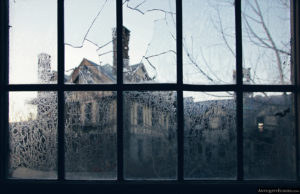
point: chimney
(44, 68)
(125, 44)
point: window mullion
(295, 23)
(61, 70)
(4, 93)
(239, 92)
(180, 116)
(120, 158)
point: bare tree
(266, 39)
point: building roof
(106, 73)
(93, 71)
(105, 69)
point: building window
(88, 113)
(215, 85)
(154, 117)
(140, 115)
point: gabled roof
(100, 74)
(105, 69)
(133, 73)
(106, 74)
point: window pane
(32, 41)
(32, 135)
(269, 136)
(267, 42)
(91, 135)
(209, 135)
(150, 142)
(208, 42)
(149, 41)
(90, 55)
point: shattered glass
(150, 135)
(208, 42)
(269, 136)
(209, 135)
(91, 135)
(89, 41)
(32, 135)
(149, 54)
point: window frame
(168, 185)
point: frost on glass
(91, 135)
(32, 135)
(90, 55)
(267, 42)
(33, 30)
(209, 135)
(150, 140)
(269, 136)
(208, 41)
(149, 41)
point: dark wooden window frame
(120, 185)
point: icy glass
(90, 42)
(32, 135)
(267, 42)
(209, 135)
(32, 41)
(269, 136)
(91, 135)
(150, 140)
(208, 41)
(149, 41)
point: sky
(88, 26)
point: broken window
(90, 55)
(149, 41)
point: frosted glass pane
(91, 135)
(32, 135)
(150, 140)
(209, 135)
(269, 136)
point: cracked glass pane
(149, 41)
(89, 41)
(208, 41)
(269, 136)
(32, 135)
(150, 135)
(32, 42)
(209, 135)
(267, 42)
(91, 135)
